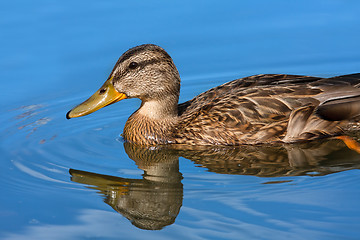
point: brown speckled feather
(260, 109)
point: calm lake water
(77, 179)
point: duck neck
(152, 122)
(160, 109)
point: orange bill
(105, 96)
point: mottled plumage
(258, 109)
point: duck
(259, 109)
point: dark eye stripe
(145, 63)
(140, 65)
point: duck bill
(105, 96)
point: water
(76, 179)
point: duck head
(146, 72)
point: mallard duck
(266, 108)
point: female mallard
(258, 109)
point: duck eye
(133, 65)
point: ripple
(41, 144)
(37, 174)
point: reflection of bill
(154, 201)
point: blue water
(54, 54)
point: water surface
(77, 179)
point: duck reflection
(154, 201)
